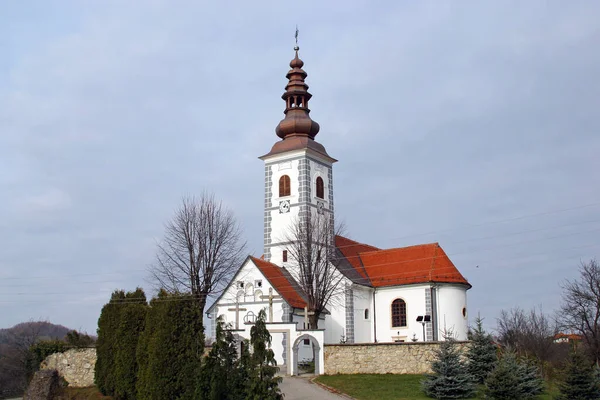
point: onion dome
(297, 121)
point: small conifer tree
(580, 382)
(513, 380)
(451, 378)
(482, 352)
(219, 375)
(264, 385)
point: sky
(472, 124)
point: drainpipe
(374, 316)
(434, 312)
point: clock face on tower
(284, 206)
(320, 207)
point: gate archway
(318, 356)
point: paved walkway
(302, 389)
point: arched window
(320, 188)
(398, 313)
(284, 186)
(366, 313)
(257, 295)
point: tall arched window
(284, 186)
(320, 188)
(398, 313)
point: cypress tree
(513, 380)
(481, 354)
(132, 320)
(173, 348)
(451, 378)
(220, 374)
(580, 382)
(264, 385)
(108, 324)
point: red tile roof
(283, 283)
(351, 250)
(569, 336)
(402, 266)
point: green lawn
(384, 387)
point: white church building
(388, 295)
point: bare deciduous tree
(201, 249)
(580, 308)
(312, 252)
(528, 333)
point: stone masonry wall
(381, 358)
(76, 366)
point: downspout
(374, 317)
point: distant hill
(40, 330)
(14, 343)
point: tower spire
(297, 121)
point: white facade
(303, 167)
(366, 308)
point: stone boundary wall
(76, 366)
(381, 358)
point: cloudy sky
(473, 124)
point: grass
(88, 393)
(389, 387)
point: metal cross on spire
(296, 36)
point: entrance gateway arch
(316, 337)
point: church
(409, 294)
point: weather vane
(296, 47)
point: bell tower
(298, 170)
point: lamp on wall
(423, 319)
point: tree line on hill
(24, 346)
(155, 351)
(525, 356)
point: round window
(464, 312)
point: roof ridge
(403, 248)
(355, 242)
(262, 260)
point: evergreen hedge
(131, 324)
(170, 352)
(108, 324)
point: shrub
(38, 353)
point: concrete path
(302, 389)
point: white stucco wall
(451, 301)
(248, 274)
(414, 296)
(281, 223)
(363, 327)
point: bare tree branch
(313, 258)
(201, 249)
(580, 308)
